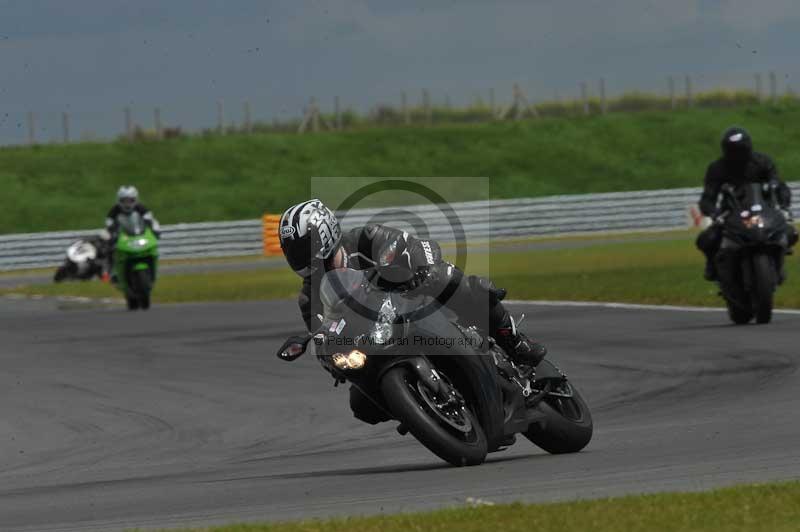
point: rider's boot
(517, 345)
(782, 269)
(710, 273)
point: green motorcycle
(135, 260)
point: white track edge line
(627, 306)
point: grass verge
(227, 177)
(753, 508)
(656, 272)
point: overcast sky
(94, 57)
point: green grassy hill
(229, 177)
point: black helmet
(737, 146)
(309, 234)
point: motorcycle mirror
(293, 347)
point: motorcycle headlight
(355, 359)
(754, 221)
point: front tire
(400, 389)
(141, 287)
(567, 427)
(739, 315)
(61, 273)
(133, 303)
(764, 282)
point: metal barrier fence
(479, 220)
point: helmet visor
(127, 204)
(300, 257)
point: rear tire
(566, 428)
(764, 282)
(398, 387)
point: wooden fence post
(311, 116)
(157, 122)
(128, 124)
(603, 103)
(673, 104)
(759, 89)
(314, 116)
(65, 127)
(220, 117)
(689, 101)
(773, 87)
(585, 98)
(517, 105)
(31, 128)
(248, 121)
(426, 105)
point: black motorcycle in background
(452, 388)
(754, 245)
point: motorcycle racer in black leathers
(739, 165)
(313, 243)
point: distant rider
(127, 203)
(739, 165)
(313, 243)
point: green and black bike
(135, 260)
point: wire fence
(419, 107)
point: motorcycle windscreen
(131, 224)
(346, 293)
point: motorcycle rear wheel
(400, 389)
(568, 425)
(764, 282)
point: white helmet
(127, 197)
(309, 234)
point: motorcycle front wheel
(764, 283)
(141, 287)
(450, 430)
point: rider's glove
(787, 214)
(421, 277)
(433, 279)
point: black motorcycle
(754, 245)
(451, 387)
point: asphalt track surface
(182, 416)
